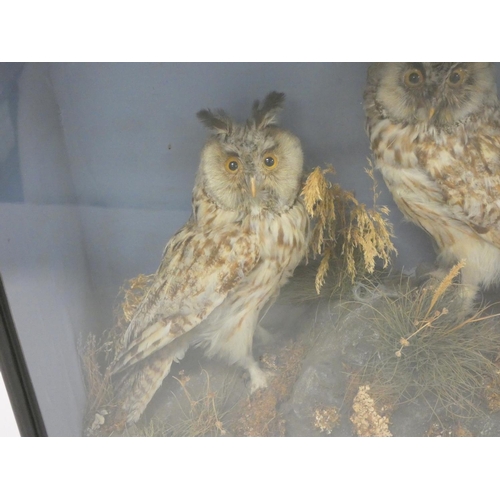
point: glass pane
(98, 163)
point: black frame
(16, 376)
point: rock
(340, 340)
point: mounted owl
(247, 233)
(434, 130)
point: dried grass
(348, 236)
(97, 353)
(424, 347)
(202, 415)
(97, 382)
(210, 414)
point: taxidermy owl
(247, 233)
(434, 130)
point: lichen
(366, 420)
(326, 418)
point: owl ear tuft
(266, 114)
(373, 74)
(217, 121)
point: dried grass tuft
(348, 236)
(93, 352)
(203, 416)
(425, 347)
(97, 353)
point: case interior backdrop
(107, 159)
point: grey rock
(340, 340)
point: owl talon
(258, 379)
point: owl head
(251, 166)
(437, 94)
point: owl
(247, 233)
(434, 130)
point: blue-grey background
(97, 163)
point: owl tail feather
(136, 387)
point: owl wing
(198, 271)
(473, 190)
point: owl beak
(253, 189)
(431, 112)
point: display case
(97, 165)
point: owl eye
(414, 78)
(456, 77)
(270, 162)
(232, 164)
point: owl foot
(258, 379)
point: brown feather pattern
(442, 165)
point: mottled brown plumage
(434, 130)
(246, 235)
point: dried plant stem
(346, 233)
(445, 284)
(424, 347)
(427, 324)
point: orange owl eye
(232, 164)
(457, 77)
(270, 162)
(414, 78)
